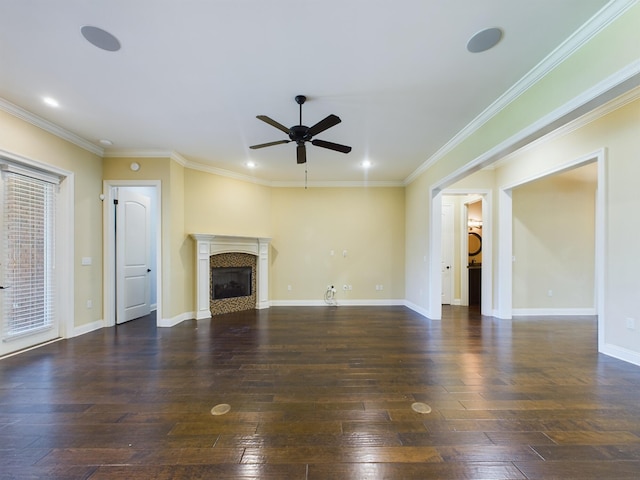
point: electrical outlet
(345, 287)
(289, 288)
(550, 293)
(631, 323)
(89, 303)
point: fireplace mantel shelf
(210, 244)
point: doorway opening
(35, 254)
(465, 247)
(133, 246)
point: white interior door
(133, 215)
(447, 254)
(28, 300)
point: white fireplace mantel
(207, 245)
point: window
(27, 253)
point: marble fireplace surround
(207, 245)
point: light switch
(86, 260)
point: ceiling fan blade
(322, 125)
(273, 123)
(262, 145)
(301, 153)
(331, 146)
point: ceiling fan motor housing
(298, 134)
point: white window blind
(28, 253)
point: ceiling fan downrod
(300, 99)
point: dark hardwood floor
(323, 393)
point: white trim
(620, 353)
(18, 352)
(87, 328)
(553, 312)
(172, 322)
(340, 303)
(505, 255)
(245, 178)
(419, 310)
(580, 37)
(599, 112)
(434, 292)
(340, 184)
(47, 126)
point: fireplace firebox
(230, 282)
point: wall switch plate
(631, 323)
(86, 260)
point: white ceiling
(191, 76)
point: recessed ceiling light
(100, 38)
(52, 102)
(366, 164)
(484, 40)
(105, 142)
(251, 164)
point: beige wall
(26, 140)
(554, 242)
(309, 224)
(225, 206)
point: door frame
(435, 249)
(505, 253)
(64, 238)
(109, 242)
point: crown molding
(611, 93)
(239, 176)
(607, 14)
(598, 112)
(50, 127)
(338, 184)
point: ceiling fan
(302, 134)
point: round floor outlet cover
(421, 407)
(221, 409)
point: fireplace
(221, 251)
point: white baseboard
(621, 353)
(416, 308)
(172, 322)
(553, 312)
(339, 302)
(298, 303)
(86, 328)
